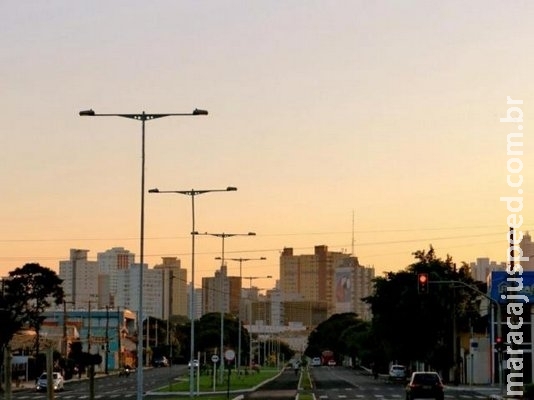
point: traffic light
(499, 344)
(422, 283)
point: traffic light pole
(499, 318)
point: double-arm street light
(143, 117)
(193, 193)
(241, 261)
(223, 236)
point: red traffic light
(422, 282)
(499, 344)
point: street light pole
(250, 278)
(141, 117)
(192, 193)
(241, 260)
(223, 236)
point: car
(425, 385)
(397, 373)
(332, 363)
(126, 371)
(160, 362)
(195, 364)
(316, 362)
(57, 381)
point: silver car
(42, 382)
(397, 373)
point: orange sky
(388, 111)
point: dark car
(426, 385)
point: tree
(343, 334)
(413, 327)
(28, 292)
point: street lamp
(193, 193)
(143, 117)
(223, 236)
(241, 260)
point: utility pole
(107, 342)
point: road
(339, 383)
(330, 383)
(282, 388)
(110, 387)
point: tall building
(80, 279)
(198, 302)
(528, 251)
(222, 293)
(110, 262)
(334, 278)
(128, 290)
(174, 287)
(353, 282)
(483, 267)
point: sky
(371, 127)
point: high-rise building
(222, 293)
(528, 251)
(334, 278)
(174, 287)
(128, 290)
(110, 262)
(483, 267)
(80, 279)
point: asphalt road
(282, 388)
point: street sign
(214, 358)
(229, 355)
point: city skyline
(372, 126)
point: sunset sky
(365, 125)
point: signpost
(229, 355)
(214, 360)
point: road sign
(229, 355)
(214, 358)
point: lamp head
(231, 189)
(252, 234)
(156, 190)
(87, 113)
(197, 111)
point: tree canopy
(26, 294)
(408, 326)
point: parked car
(57, 381)
(425, 385)
(316, 362)
(332, 363)
(195, 364)
(160, 362)
(397, 373)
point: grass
(305, 386)
(205, 384)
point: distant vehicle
(332, 363)
(126, 371)
(397, 373)
(316, 362)
(195, 364)
(57, 381)
(426, 385)
(160, 362)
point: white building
(128, 290)
(80, 279)
(110, 262)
